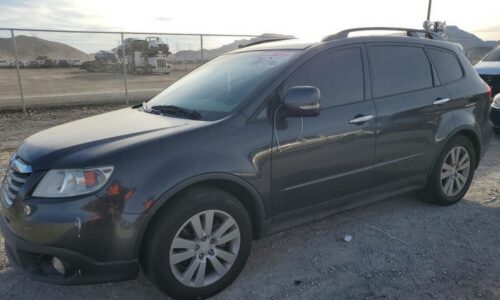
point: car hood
(488, 67)
(98, 134)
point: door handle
(358, 120)
(441, 101)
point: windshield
(494, 55)
(218, 87)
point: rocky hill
(467, 39)
(474, 47)
(208, 54)
(29, 48)
(470, 42)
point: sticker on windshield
(272, 59)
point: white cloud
(305, 18)
(310, 19)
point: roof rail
(409, 32)
(266, 41)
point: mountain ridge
(29, 48)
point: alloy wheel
(205, 248)
(455, 171)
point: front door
(322, 160)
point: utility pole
(124, 62)
(429, 10)
(201, 48)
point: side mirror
(302, 101)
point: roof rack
(266, 41)
(409, 32)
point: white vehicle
(144, 64)
(4, 64)
(76, 63)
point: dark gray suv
(256, 141)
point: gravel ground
(402, 248)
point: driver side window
(338, 74)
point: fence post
(124, 71)
(201, 50)
(18, 71)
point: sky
(311, 19)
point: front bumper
(92, 237)
(34, 259)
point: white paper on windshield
(272, 58)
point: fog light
(58, 265)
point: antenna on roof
(437, 26)
(429, 10)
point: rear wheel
(199, 245)
(452, 173)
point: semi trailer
(148, 56)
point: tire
(162, 260)
(453, 186)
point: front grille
(161, 63)
(13, 182)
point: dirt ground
(43, 87)
(402, 248)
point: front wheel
(200, 244)
(453, 172)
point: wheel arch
(242, 190)
(470, 133)
(474, 138)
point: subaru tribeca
(258, 140)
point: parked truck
(105, 61)
(147, 56)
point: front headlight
(496, 102)
(72, 182)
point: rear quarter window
(447, 65)
(399, 69)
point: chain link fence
(56, 67)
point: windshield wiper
(176, 111)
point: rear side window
(447, 65)
(338, 75)
(399, 69)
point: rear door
(322, 160)
(411, 106)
